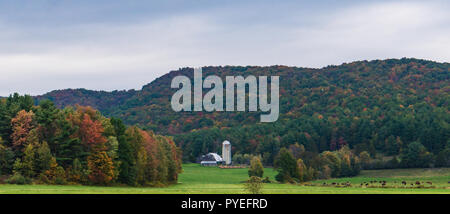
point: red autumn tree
(150, 147)
(91, 133)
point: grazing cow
(404, 182)
(417, 182)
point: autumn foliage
(44, 144)
(22, 124)
(101, 168)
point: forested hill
(349, 87)
(375, 105)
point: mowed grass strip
(212, 180)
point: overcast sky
(108, 45)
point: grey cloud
(127, 54)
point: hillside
(100, 100)
(377, 106)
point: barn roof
(212, 157)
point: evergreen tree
(46, 114)
(6, 159)
(43, 158)
(416, 155)
(27, 168)
(126, 153)
(286, 166)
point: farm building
(226, 152)
(211, 159)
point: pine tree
(43, 158)
(286, 166)
(6, 159)
(46, 114)
(28, 161)
(5, 123)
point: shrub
(17, 178)
(266, 180)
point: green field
(196, 179)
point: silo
(226, 152)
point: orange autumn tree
(21, 125)
(101, 168)
(91, 133)
(100, 165)
(90, 128)
(174, 154)
(150, 147)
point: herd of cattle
(378, 184)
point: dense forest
(44, 144)
(390, 113)
(100, 100)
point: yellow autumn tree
(101, 168)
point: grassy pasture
(196, 179)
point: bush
(17, 178)
(267, 180)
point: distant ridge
(100, 100)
